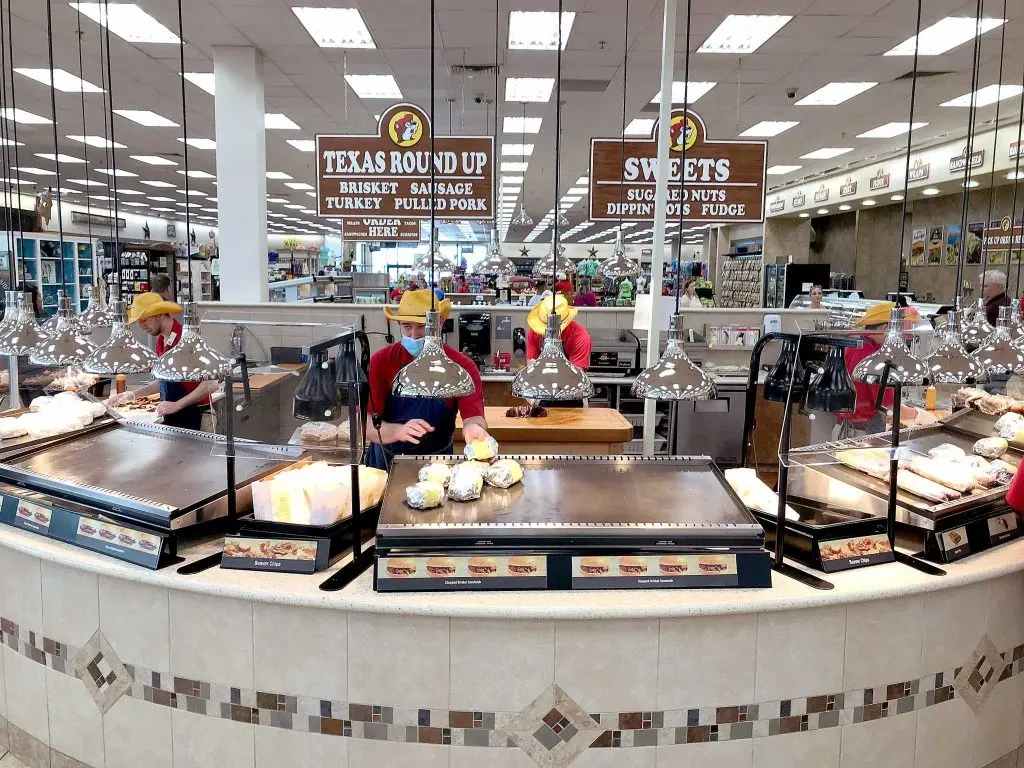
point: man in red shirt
(417, 425)
(575, 339)
(181, 402)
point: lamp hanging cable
(113, 149)
(433, 172)
(995, 133)
(1016, 184)
(81, 75)
(969, 150)
(5, 152)
(14, 111)
(682, 162)
(910, 134)
(184, 130)
(56, 149)
(622, 139)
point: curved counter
(105, 664)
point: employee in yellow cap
(575, 339)
(417, 425)
(181, 402)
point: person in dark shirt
(993, 291)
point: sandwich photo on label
(713, 563)
(594, 566)
(672, 565)
(632, 566)
(482, 566)
(400, 567)
(522, 566)
(440, 566)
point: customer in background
(541, 288)
(993, 291)
(161, 284)
(690, 299)
(816, 295)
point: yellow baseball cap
(414, 306)
(150, 305)
(538, 317)
(877, 314)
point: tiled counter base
(99, 671)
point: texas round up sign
(387, 175)
(725, 179)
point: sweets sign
(388, 175)
(382, 230)
(725, 179)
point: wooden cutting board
(563, 425)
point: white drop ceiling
(826, 41)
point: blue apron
(399, 410)
(187, 418)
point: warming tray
(18, 445)
(160, 474)
(847, 488)
(571, 501)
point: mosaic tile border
(499, 729)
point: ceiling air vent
(910, 75)
(584, 86)
(472, 69)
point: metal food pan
(18, 445)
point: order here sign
(388, 174)
(724, 179)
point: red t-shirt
(387, 362)
(575, 341)
(163, 343)
(867, 394)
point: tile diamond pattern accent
(553, 730)
(101, 671)
(980, 674)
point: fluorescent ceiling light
(514, 167)
(277, 121)
(162, 199)
(197, 175)
(990, 94)
(522, 150)
(158, 184)
(276, 200)
(294, 206)
(63, 80)
(277, 175)
(578, 191)
(70, 160)
(200, 143)
(507, 180)
(374, 86)
(11, 143)
(528, 89)
(97, 141)
(204, 80)
(119, 172)
(146, 118)
(298, 185)
(303, 145)
(768, 128)
(190, 192)
(639, 126)
(86, 182)
(129, 192)
(153, 160)
(335, 27)
(21, 116)
(583, 180)
(571, 199)
(782, 170)
(945, 35)
(311, 194)
(742, 33)
(826, 153)
(889, 130)
(134, 205)
(693, 92)
(34, 171)
(930, 191)
(834, 93)
(165, 210)
(128, 22)
(308, 210)
(522, 124)
(537, 30)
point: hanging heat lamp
(951, 363)
(904, 367)
(977, 328)
(97, 314)
(618, 265)
(495, 262)
(523, 219)
(66, 344)
(998, 356)
(24, 334)
(432, 373)
(551, 376)
(191, 359)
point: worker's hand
(122, 398)
(410, 432)
(472, 432)
(167, 407)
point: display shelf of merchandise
(40, 259)
(202, 280)
(740, 282)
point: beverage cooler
(784, 282)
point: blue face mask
(412, 346)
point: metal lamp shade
(674, 376)
(121, 353)
(832, 391)
(618, 265)
(97, 314)
(433, 374)
(1016, 323)
(551, 376)
(998, 355)
(10, 311)
(443, 266)
(554, 262)
(191, 359)
(522, 219)
(976, 329)
(66, 345)
(562, 219)
(950, 363)
(24, 334)
(495, 262)
(904, 366)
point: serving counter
(579, 431)
(107, 664)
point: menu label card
(33, 517)
(262, 554)
(654, 571)
(421, 574)
(954, 543)
(855, 552)
(1002, 528)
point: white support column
(241, 173)
(668, 52)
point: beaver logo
(405, 129)
(676, 132)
